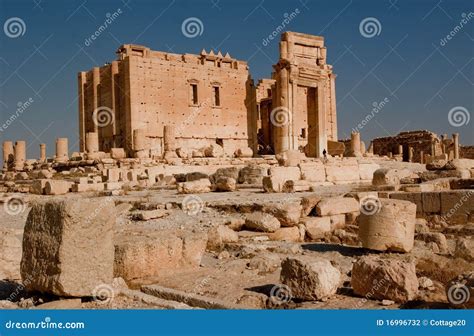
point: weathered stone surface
(457, 206)
(68, 247)
(291, 234)
(260, 221)
(289, 158)
(379, 278)
(385, 176)
(245, 152)
(194, 187)
(225, 184)
(309, 203)
(317, 227)
(10, 252)
(391, 228)
(459, 164)
(218, 236)
(145, 215)
(265, 262)
(310, 278)
(336, 205)
(366, 170)
(252, 174)
(296, 186)
(214, 151)
(57, 187)
(288, 213)
(312, 171)
(464, 249)
(138, 257)
(344, 171)
(434, 237)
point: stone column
(140, 144)
(92, 142)
(43, 152)
(61, 150)
(19, 155)
(8, 154)
(422, 157)
(169, 138)
(362, 147)
(400, 150)
(456, 145)
(355, 144)
(280, 116)
(371, 148)
(443, 148)
(411, 153)
(433, 148)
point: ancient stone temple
(210, 99)
(298, 106)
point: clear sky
(396, 52)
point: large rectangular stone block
(431, 202)
(68, 246)
(414, 197)
(313, 171)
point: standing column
(355, 144)
(169, 141)
(20, 155)
(322, 138)
(443, 148)
(400, 150)
(422, 157)
(280, 116)
(61, 150)
(92, 142)
(42, 152)
(410, 153)
(456, 145)
(7, 154)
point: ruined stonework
(303, 98)
(208, 98)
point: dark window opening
(217, 98)
(220, 142)
(194, 89)
(269, 92)
(303, 133)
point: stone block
(379, 278)
(141, 257)
(219, 236)
(57, 187)
(313, 171)
(385, 176)
(310, 278)
(366, 170)
(336, 205)
(68, 246)
(194, 187)
(431, 202)
(288, 213)
(263, 222)
(317, 227)
(414, 197)
(291, 234)
(390, 227)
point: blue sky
(403, 60)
